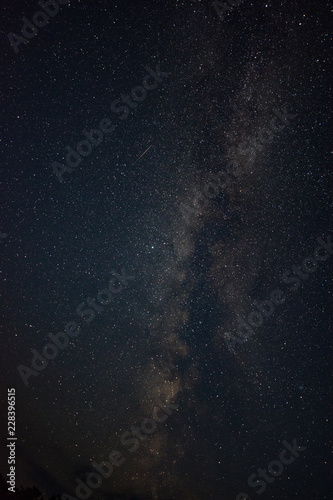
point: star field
(204, 194)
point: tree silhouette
(33, 493)
(21, 493)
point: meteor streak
(143, 153)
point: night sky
(166, 176)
